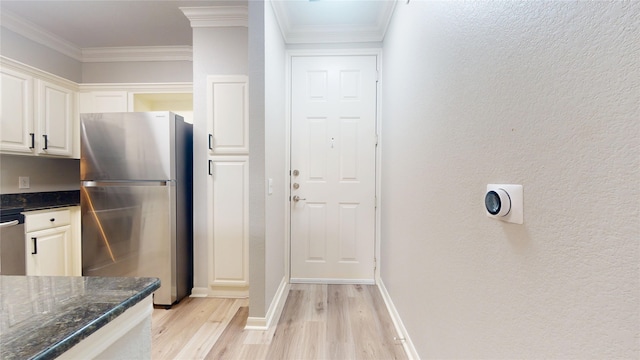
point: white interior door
(333, 157)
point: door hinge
(376, 139)
(375, 202)
(375, 264)
(377, 75)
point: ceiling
(125, 23)
(114, 23)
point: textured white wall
(216, 51)
(544, 94)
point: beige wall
(257, 192)
(26, 51)
(45, 174)
(543, 94)
(216, 51)
(276, 163)
(137, 72)
(267, 63)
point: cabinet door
(17, 133)
(104, 102)
(229, 191)
(56, 117)
(48, 252)
(227, 115)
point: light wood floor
(318, 322)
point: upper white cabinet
(56, 119)
(17, 111)
(39, 114)
(103, 101)
(109, 98)
(227, 114)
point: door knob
(297, 198)
(296, 172)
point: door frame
(291, 53)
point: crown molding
(334, 35)
(385, 17)
(137, 53)
(6, 62)
(308, 34)
(217, 16)
(87, 55)
(38, 35)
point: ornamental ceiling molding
(39, 35)
(217, 16)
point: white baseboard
(229, 292)
(199, 292)
(407, 344)
(274, 312)
(333, 281)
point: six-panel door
(333, 140)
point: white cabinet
(227, 115)
(229, 204)
(123, 97)
(56, 119)
(17, 111)
(47, 252)
(51, 243)
(103, 101)
(39, 114)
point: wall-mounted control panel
(504, 202)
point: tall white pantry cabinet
(228, 184)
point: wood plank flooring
(317, 322)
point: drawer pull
(52, 219)
(35, 246)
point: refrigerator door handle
(92, 183)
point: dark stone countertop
(43, 316)
(40, 200)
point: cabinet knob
(52, 219)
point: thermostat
(504, 202)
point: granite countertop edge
(40, 200)
(90, 328)
(50, 207)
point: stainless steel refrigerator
(136, 199)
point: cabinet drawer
(46, 219)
